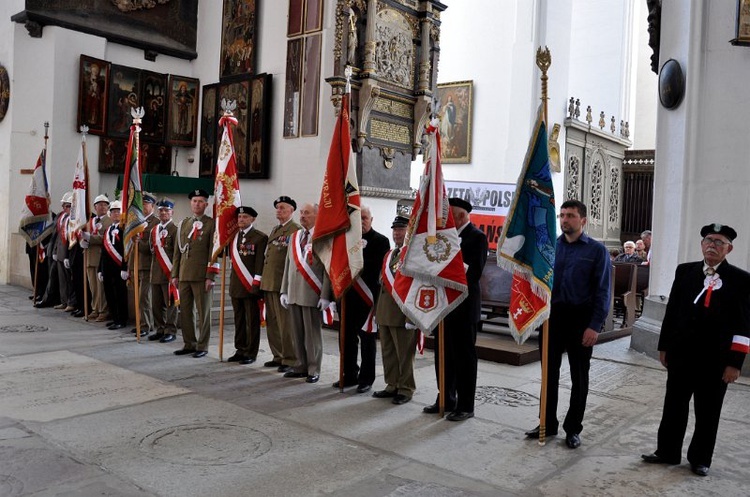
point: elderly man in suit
(397, 341)
(704, 339)
(162, 239)
(246, 251)
(193, 274)
(93, 242)
(277, 323)
(305, 291)
(462, 323)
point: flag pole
(84, 132)
(543, 61)
(441, 367)
(342, 341)
(36, 262)
(137, 115)
(221, 305)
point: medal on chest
(711, 283)
(197, 230)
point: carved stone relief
(394, 55)
(597, 187)
(614, 197)
(573, 183)
(129, 5)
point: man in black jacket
(462, 323)
(703, 343)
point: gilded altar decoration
(394, 56)
(131, 5)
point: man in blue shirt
(580, 303)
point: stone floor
(89, 412)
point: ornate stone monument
(393, 48)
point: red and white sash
(161, 254)
(387, 275)
(243, 273)
(62, 227)
(109, 247)
(366, 295)
(303, 266)
(93, 226)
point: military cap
(459, 202)
(101, 198)
(719, 229)
(115, 205)
(148, 197)
(400, 222)
(286, 200)
(165, 203)
(247, 210)
(198, 193)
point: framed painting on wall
(124, 88)
(311, 85)
(238, 38)
(292, 88)
(112, 154)
(455, 120)
(154, 96)
(156, 158)
(240, 93)
(260, 129)
(182, 117)
(209, 130)
(313, 16)
(93, 85)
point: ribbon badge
(163, 234)
(196, 231)
(710, 283)
(309, 253)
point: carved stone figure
(351, 42)
(130, 5)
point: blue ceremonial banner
(527, 243)
(36, 219)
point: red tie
(303, 242)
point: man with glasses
(703, 342)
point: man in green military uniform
(144, 266)
(193, 274)
(247, 251)
(277, 323)
(93, 242)
(162, 239)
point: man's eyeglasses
(716, 242)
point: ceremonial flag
(527, 243)
(337, 238)
(133, 220)
(36, 219)
(79, 207)
(431, 279)
(226, 190)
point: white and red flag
(337, 237)
(79, 207)
(36, 219)
(431, 279)
(226, 187)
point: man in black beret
(704, 339)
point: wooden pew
(624, 292)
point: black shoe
(657, 459)
(271, 364)
(294, 374)
(346, 385)
(363, 388)
(200, 353)
(167, 338)
(459, 416)
(400, 399)
(77, 313)
(115, 326)
(109, 323)
(42, 303)
(284, 369)
(435, 409)
(184, 351)
(155, 337)
(384, 394)
(572, 440)
(313, 379)
(699, 469)
(144, 333)
(237, 357)
(245, 361)
(535, 433)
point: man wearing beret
(703, 342)
(93, 241)
(247, 252)
(277, 327)
(193, 274)
(144, 266)
(162, 239)
(462, 323)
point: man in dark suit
(462, 323)
(360, 308)
(703, 342)
(247, 251)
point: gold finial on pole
(543, 61)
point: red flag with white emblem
(226, 189)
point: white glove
(84, 244)
(54, 257)
(323, 304)
(284, 299)
(66, 263)
(124, 275)
(100, 276)
(410, 326)
(86, 235)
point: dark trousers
(116, 293)
(460, 363)
(77, 275)
(566, 326)
(356, 314)
(40, 271)
(705, 386)
(246, 326)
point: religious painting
(454, 112)
(313, 16)
(93, 83)
(156, 158)
(112, 154)
(209, 130)
(182, 117)
(292, 88)
(124, 87)
(743, 21)
(240, 93)
(311, 85)
(296, 15)
(260, 132)
(238, 38)
(154, 97)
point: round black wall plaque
(671, 84)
